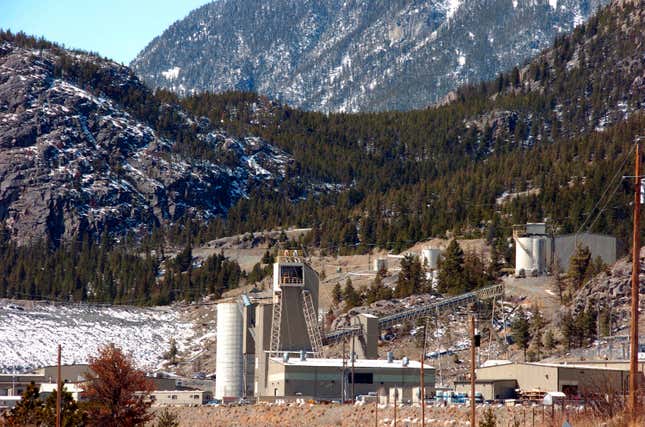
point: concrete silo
(229, 359)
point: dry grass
(350, 416)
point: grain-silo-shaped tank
(430, 257)
(228, 363)
(523, 256)
(539, 255)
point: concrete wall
(366, 345)
(293, 331)
(599, 245)
(263, 314)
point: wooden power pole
(472, 370)
(59, 391)
(422, 376)
(633, 330)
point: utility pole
(633, 330)
(376, 410)
(59, 391)
(396, 396)
(353, 381)
(472, 370)
(342, 384)
(423, 385)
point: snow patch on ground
(171, 73)
(29, 335)
(453, 5)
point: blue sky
(118, 29)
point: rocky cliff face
(355, 55)
(611, 291)
(72, 160)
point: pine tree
(350, 296)
(489, 419)
(167, 418)
(71, 415)
(29, 409)
(411, 277)
(337, 294)
(579, 266)
(452, 279)
(520, 330)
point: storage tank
(539, 255)
(523, 256)
(228, 363)
(430, 257)
(380, 264)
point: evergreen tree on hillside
(411, 277)
(337, 294)
(350, 296)
(520, 330)
(579, 266)
(452, 278)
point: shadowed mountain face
(353, 55)
(73, 159)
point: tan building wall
(181, 397)
(325, 382)
(568, 378)
(528, 377)
(69, 373)
(490, 390)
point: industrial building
(270, 345)
(180, 397)
(332, 378)
(505, 379)
(538, 248)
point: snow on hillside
(30, 333)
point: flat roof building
(181, 397)
(328, 379)
(572, 379)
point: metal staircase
(312, 323)
(276, 321)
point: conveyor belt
(417, 312)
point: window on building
(173, 397)
(361, 378)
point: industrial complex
(271, 346)
(538, 249)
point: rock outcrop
(72, 160)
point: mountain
(555, 132)
(353, 55)
(86, 147)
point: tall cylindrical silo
(228, 363)
(523, 255)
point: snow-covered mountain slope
(30, 333)
(339, 55)
(73, 158)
